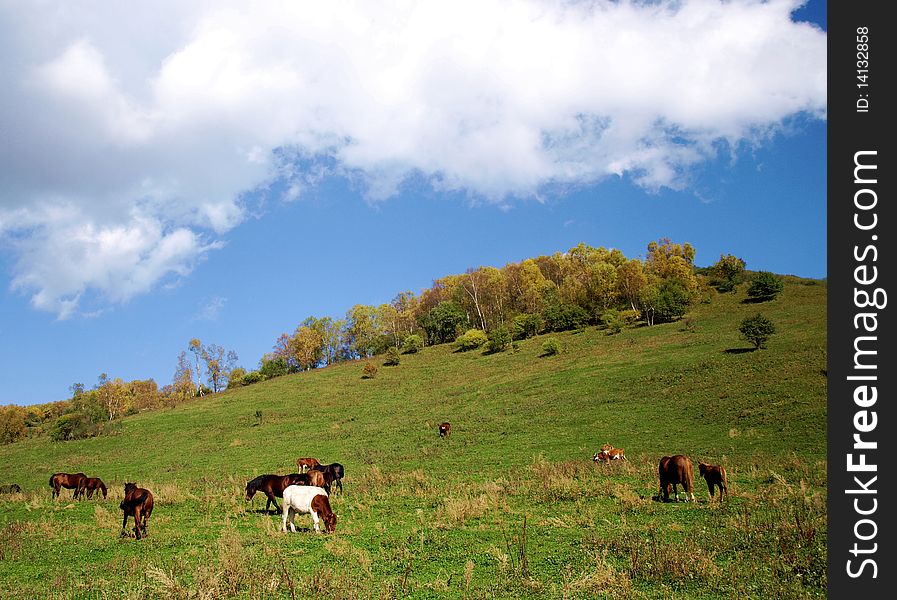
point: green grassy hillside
(509, 506)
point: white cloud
(130, 133)
(211, 309)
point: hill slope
(509, 506)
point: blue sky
(202, 182)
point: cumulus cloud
(132, 135)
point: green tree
(757, 330)
(631, 283)
(272, 366)
(412, 344)
(499, 339)
(182, 386)
(112, 395)
(361, 330)
(443, 322)
(306, 348)
(764, 286)
(669, 301)
(726, 272)
(563, 316)
(527, 326)
(219, 362)
(235, 377)
(672, 262)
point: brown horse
(92, 485)
(715, 475)
(332, 472)
(138, 503)
(273, 486)
(69, 481)
(673, 471)
(304, 464)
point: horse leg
(272, 500)
(137, 515)
(124, 524)
(145, 519)
(314, 517)
(339, 482)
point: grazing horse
(12, 488)
(304, 499)
(93, 484)
(69, 481)
(675, 470)
(445, 429)
(318, 479)
(273, 486)
(332, 472)
(304, 464)
(138, 503)
(715, 476)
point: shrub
(236, 377)
(563, 317)
(764, 286)
(369, 371)
(612, 321)
(392, 357)
(413, 344)
(272, 368)
(757, 330)
(73, 426)
(472, 339)
(527, 325)
(252, 377)
(550, 347)
(499, 338)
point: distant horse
(93, 484)
(12, 488)
(304, 464)
(334, 472)
(138, 503)
(273, 486)
(445, 429)
(69, 481)
(308, 500)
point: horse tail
(52, 477)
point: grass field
(509, 506)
